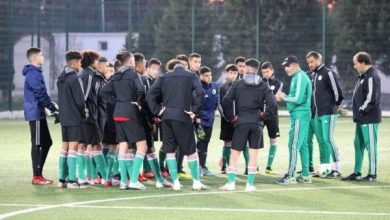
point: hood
(30, 67)
(251, 79)
(64, 73)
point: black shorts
(227, 130)
(109, 136)
(245, 133)
(272, 128)
(72, 134)
(149, 137)
(178, 134)
(40, 135)
(91, 134)
(157, 133)
(129, 131)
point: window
(103, 45)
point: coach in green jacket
(367, 115)
(298, 104)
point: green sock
(130, 163)
(146, 166)
(245, 153)
(62, 160)
(231, 173)
(87, 166)
(271, 155)
(251, 175)
(98, 157)
(226, 156)
(81, 165)
(153, 163)
(72, 165)
(193, 164)
(110, 163)
(92, 167)
(138, 160)
(172, 167)
(123, 168)
(115, 166)
(161, 158)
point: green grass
(324, 199)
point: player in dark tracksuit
(326, 97)
(148, 121)
(206, 117)
(35, 101)
(92, 126)
(367, 115)
(227, 128)
(243, 105)
(72, 104)
(272, 124)
(176, 98)
(129, 93)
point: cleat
(164, 184)
(369, 178)
(49, 182)
(353, 177)
(115, 182)
(207, 172)
(107, 183)
(228, 187)
(334, 174)
(165, 173)
(149, 175)
(184, 176)
(136, 186)
(142, 178)
(123, 186)
(37, 180)
(250, 188)
(83, 184)
(176, 185)
(269, 171)
(303, 179)
(287, 180)
(223, 170)
(197, 185)
(311, 170)
(61, 184)
(73, 185)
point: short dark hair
(103, 60)
(267, 65)
(73, 55)
(204, 69)
(154, 61)
(122, 58)
(172, 63)
(182, 57)
(314, 54)
(239, 60)
(363, 57)
(139, 57)
(31, 51)
(89, 57)
(252, 63)
(231, 67)
(196, 55)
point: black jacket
(127, 87)
(327, 94)
(101, 101)
(88, 75)
(147, 114)
(366, 98)
(110, 107)
(70, 98)
(177, 90)
(275, 86)
(226, 126)
(249, 101)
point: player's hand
(56, 116)
(198, 120)
(157, 120)
(161, 111)
(262, 115)
(234, 120)
(280, 96)
(190, 113)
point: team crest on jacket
(320, 78)
(272, 87)
(214, 91)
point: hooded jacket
(36, 98)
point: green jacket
(299, 97)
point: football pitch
(323, 199)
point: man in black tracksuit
(243, 105)
(227, 128)
(72, 105)
(326, 97)
(272, 125)
(367, 115)
(176, 97)
(94, 124)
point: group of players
(111, 114)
